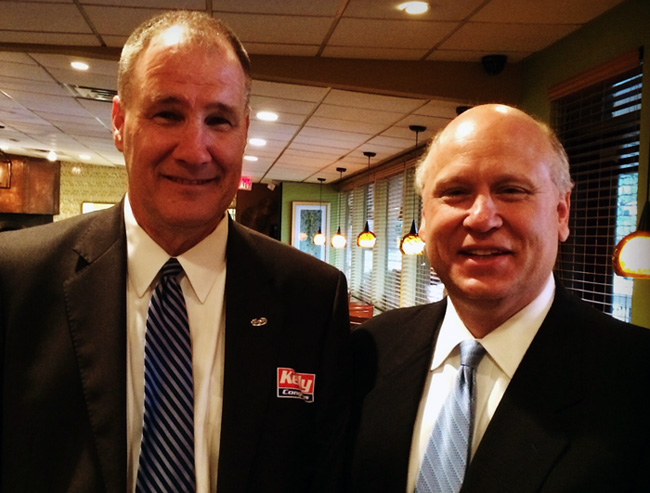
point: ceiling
(321, 125)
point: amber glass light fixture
(319, 238)
(412, 244)
(367, 238)
(632, 254)
(338, 240)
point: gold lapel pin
(258, 322)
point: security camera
(494, 64)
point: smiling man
(158, 345)
(551, 395)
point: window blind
(599, 126)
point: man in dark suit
(268, 324)
(562, 392)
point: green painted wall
(310, 192)
(623, 29)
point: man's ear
(118, 123)
(563, 208)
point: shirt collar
(201, 263)
(506, 344)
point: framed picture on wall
(306, 219)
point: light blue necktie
(167, 452)
(447, 455)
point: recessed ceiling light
(250, 158)
(267, 116)
(79, 65)
(414, 8)
(51, 156)
(257, 142)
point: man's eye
(170, 116)
(217, 120)
(513, 191)
(453, 192)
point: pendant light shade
(367, 238)
(338, 240)
(319, 238)
(632, 254)
(412, 244)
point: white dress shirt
(203, 286)
(505, 348)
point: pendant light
(319, 238)
(338, 240)
(412, 244)
(367, 238)
(632, 254)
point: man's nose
(193, 142)
(483, 215)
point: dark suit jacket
(575, 416)
(63, 350)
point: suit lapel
(254, 317)
(401, 351)
(525, 436)
(96, 306)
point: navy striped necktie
(167, 450)
(447, 455)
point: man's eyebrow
(174, 100)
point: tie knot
(471, 353)
(171, 268)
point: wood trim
(602, 72)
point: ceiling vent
(92, 93)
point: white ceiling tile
(18, 58)
(323, 149)
(281, 49)
(287, 7)
(281, 105)
(48, 38)
(372, 101)
(536, 12)
(33, 17)
(25, 71)
(389, 33)
(321, 142)
(85, 79)
(278, 28)
(495, 37)
(151, 4)
(345, 126)
(373, 53)
(272, 131)
(288, 91)
(334, 135)
(97, 66)
(38, 87)
(118, 20)
(357, 114)
(440, 11)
